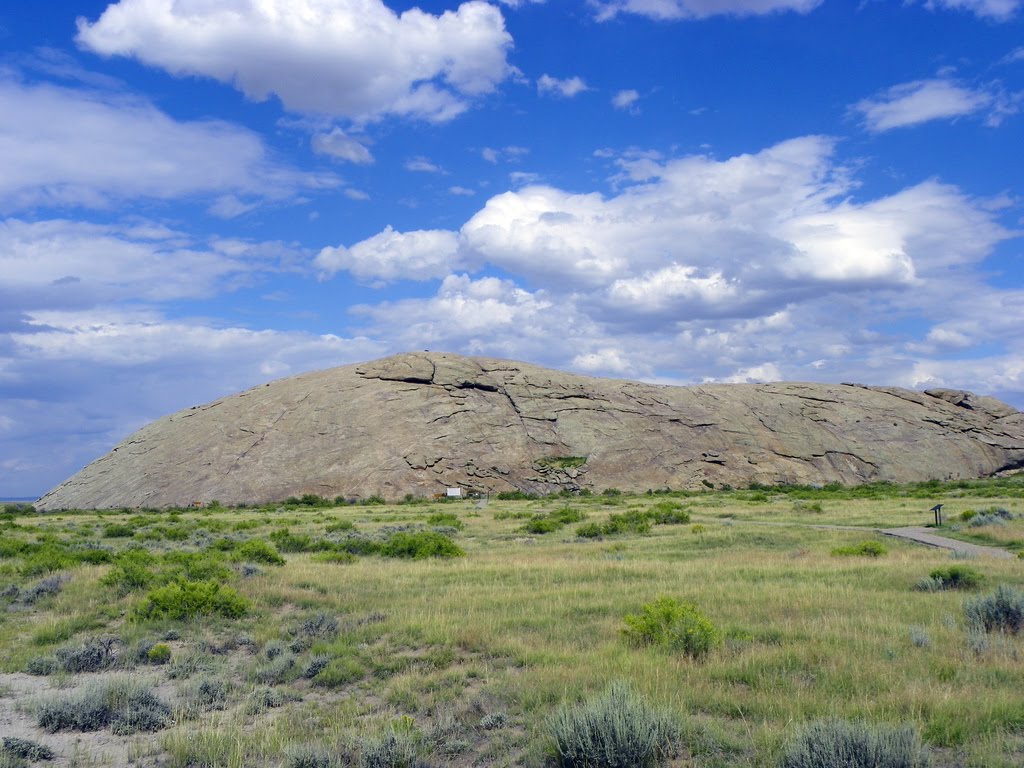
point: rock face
(419, 423)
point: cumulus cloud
(59, 376)
(625, 99)
(921, 101)
(391, 255)
(341, 146)
(61, 263)
(350, 58)
(565, 88)
(64, 146)
(755, 267)
(999, 10)
(701, 9)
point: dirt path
(926, 537)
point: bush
(305, 756)
(92, 656)
(840, 744)
(863, 549)
(339, 526)
(26, 749)
(957, 577)
(1002, 611)
(124, 706)
(680, 627)
(159, 654)
(117, 531)
(668, 513)
(446, 519)
(258, 551)
(41, 666)
(542, 525)
(45, 588)
(131, 571)
(186, 599)
(208, 694)
(420, 545)
(615, 730)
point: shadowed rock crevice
(418, 423)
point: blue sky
(197, 196)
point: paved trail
(911, 533)
(926, 537)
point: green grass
(524, 625)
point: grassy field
(355, 651)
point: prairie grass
(525, 624)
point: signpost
(937, 509)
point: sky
(199, 196)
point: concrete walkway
(926, 537)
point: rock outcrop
(419, 423)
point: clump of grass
(391, 749)
(340, 526)
(41, 666)
(208, 693)
(617, 729)
(186, 599)
(673, 625)
(339, 672)
(307, 756)
(841, 744)
(1002, 611)
(862, 549)
(446, 519)
(124, 706)
(118, 531)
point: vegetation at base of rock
(673, 625)
(187, 599)
(617, 729)
(562, 462)
(840, 744)
(1002, 611)
(862, 549)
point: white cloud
(625, 99)
(356, 194)
(391, 255)
(422, 165)
(507, 154)
(1000, 10)
(63, 146)
(146, 364)
(921, 101)
(341, 146)
(756, 267)
(352, 58)
(461, 191)
(1017, 54)
(60, 263)
(700, 9)
(567, 88)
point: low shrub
(315, 666)
(124, 706)
(118, 531)
(306, 756)
(668, 513)
(258, 551)
(41, 666)
(615, 730)
(208, 694)
(26, 749)
(338, 557)
(542, 525)
(863, 549)
(159, 654)
(280, 670)
(47, 587)
(186, 599)
(420, 545)
(957, 577)
(677, 626)
(286, 541)
(1002, 611)
(92, 656)
(516, 496)
(841, 744)
(339, 526)
(392, 749)
(446, 519)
